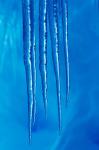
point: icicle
(29, 52)
(65, 37)
(43, 49)
(53, 23)
(33, 54)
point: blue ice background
(81, 118)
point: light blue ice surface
(81, 117)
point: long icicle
(43, 49)
(29, 51)
(33, 54)
(53, 21)
(65, 37)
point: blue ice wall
(80, 120)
